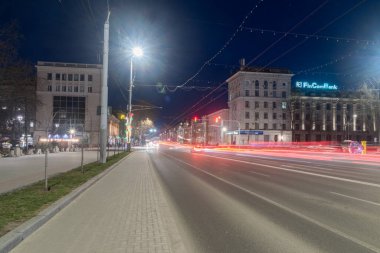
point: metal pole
(81, 160)
(130, 106)
(221, 132)
(104, 95)
(46, 165)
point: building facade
(69, 98)
(258, 98)
(334, 116)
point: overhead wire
(226, 44)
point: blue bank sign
(314, 85)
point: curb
(11, 239)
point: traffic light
(195, 119)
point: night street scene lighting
(190, 126)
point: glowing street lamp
(136, 52)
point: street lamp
(136, 52)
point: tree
(17, 86)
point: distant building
(68, 95)
(258, 98)
(333, 115)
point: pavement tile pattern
(123, 212)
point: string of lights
(314, 36)
(319, 30)
(290, 30)
(226, 44)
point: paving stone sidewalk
(125, 211)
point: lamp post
(136, 52)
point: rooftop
(70, 65)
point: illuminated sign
(314, 85)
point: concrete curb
(17, 235)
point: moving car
(353, 147)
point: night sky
(178, 37)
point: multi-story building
(68, 96)
(327, 114)
(258, 98)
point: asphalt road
(16, 172)
(225, 202)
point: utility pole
(104, 95)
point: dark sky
(180, 36)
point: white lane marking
(300, 172)
(363, 200)
(294, 212)
(306, 167)
(262, 174)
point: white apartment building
(68, 97)
(258, 98)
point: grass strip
(22, 204)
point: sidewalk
(125, 211)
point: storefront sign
(314, 85)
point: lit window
(283, 105)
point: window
(257, 84)
(284, 84)
(247, 93)
(75, 88)
(257, 104)
(349, 107)
(265, 115)
(247, 115)
(246, 104)
(49, 87)
(274, 85)
(284, 116)
(265, 93)
(307, 105)
(265, 125)
(274, 127)
(57, 76)
(338, 107)
(82, 77)
(307, 116)
(89, 89)
(283, 126)
(274, 105)
(70, 89)
(274, 115)
(71, 112)
(246, 125)
(358, 107)
(76, 77)
(81, 88)
(257, 126)
(49, 76)
(338, 117)
(328, 107)
(89, 78)
(58, 88)
(63, 77)
(338, 128)
(265, 104)
(297, 127)
(257, 93)
(265, 85)
(297, 105)
(283, 94)
(283, 105)
(297, 116)
(274, 94)
(64, 88)
(70, 77)
(257, 115)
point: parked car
(353, 147)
